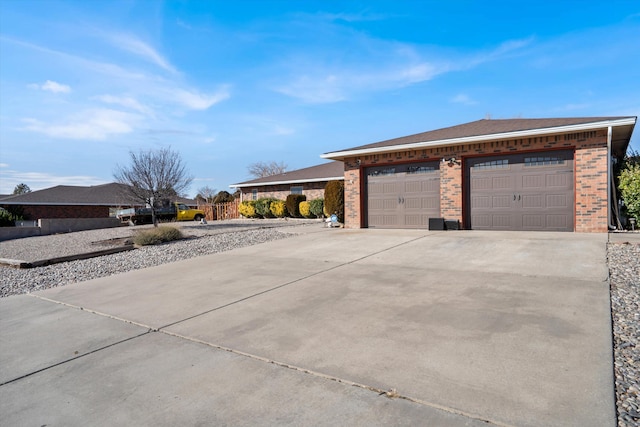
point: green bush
(293, 204)
(263, 207)
(334, 199)
(629, 184)
(8, 218)
(278, 208)
(316, 207)
(156, 235)
(248, 209)
(305, 209)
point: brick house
(308, 181)
(512, 174)
(73, 201)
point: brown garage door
(403, 196)
(532, 191)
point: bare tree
(154, 175)
(206, 193)
(21, 189)
(262, 169)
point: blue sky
(230, 83)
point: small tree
(21, 189)
(262, 169)
(154, 175)
(206, 194)
(629, 184)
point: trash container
(436, 224)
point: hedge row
(296, 206)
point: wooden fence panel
(221, 211)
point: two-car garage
(549, 174)
(531, 191)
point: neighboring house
(308, 181)
(71, 201)
(512, 174)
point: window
(420, 169)
(254, 194)
(543, 161)
(492, 164)
(296, 189)
(382, 172)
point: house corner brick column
(591, 188)
(451, 191)
(352, 205)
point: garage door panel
(500, 182)
(533, 222)
(533, 201)
(480, 202)
(557, 221)
(557, 201)
(503, 201)
(564, 180)
(500, 221)
(521, 191)
(413, 203)
(533, 181)
(482, 183)
(430, 203)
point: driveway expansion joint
(290, 283)
(390, 394)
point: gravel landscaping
(623, 261)
(624, 271)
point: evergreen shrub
(293, 204)
(334, 199)
(263, 207)
(316, 206)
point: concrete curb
(40, 263)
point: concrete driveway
(459, 328)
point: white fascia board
(296, 181)
(480, 138)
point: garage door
(521, 192)
(403, 196)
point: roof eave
(294, 181)
(339, 155)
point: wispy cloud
(195, 100)
(39, 180)
(51, 86)
(380, 66)
(127, 102)
(463, 99)
(136, 46)
(96, 124)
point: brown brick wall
(313, 190)
(590, 167)
(57, 211)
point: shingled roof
(487, 129)
(324, 172)
(112, 194)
